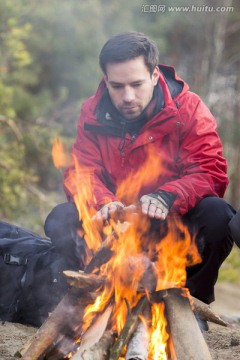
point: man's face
(130, 86)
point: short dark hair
(129, 45)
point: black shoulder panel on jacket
(175, 86)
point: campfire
(130, 301)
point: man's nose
(128, 95)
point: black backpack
(31, 280)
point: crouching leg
(209, 220)
(63, 226)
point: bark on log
(100, 350)
(24, 348)
(205, 312)
(93, 333)
(67, 314)
(198, 307)
(138, 345)
(186, 339)
(128, 329)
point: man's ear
(105, 79)
(155, 75)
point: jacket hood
(174, 83)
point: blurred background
(49, 66)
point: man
(140, 104)
(234, 227)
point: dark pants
(234, 226)
(62, 226)
(209, 219)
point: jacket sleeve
(87, 167)
(202, 168)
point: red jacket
(184, 135)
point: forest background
(49, 66)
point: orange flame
(147, 175)
(175, 252)
(164, 253)
(61, 157)
(159, 335)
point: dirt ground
(223, 343)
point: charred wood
(68, 313)
(102, 255)
(100, 350)
(93, 335)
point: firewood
(138, 345)
(93, 334)
(24, 348)
(68, 313)
(62, 348)
(128, 329)
(186, 339)
(99, 351)
(81, 280)
(102, 255)
(71, 344)
(206, 313)
(147, 282)
(198, 307)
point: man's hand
(154, 206)
(107, 210)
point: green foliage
(14, 57)
(6, 94)
(13, 178)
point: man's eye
(137, 84)
(116, 86)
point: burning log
(81, 280)
(85, 281)
(148, 280)
(138, 345)
(128, 329)
(68, 313)
(93, 335)
(98, 339)
(186, 339)
(103, 254)
(99, 351)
